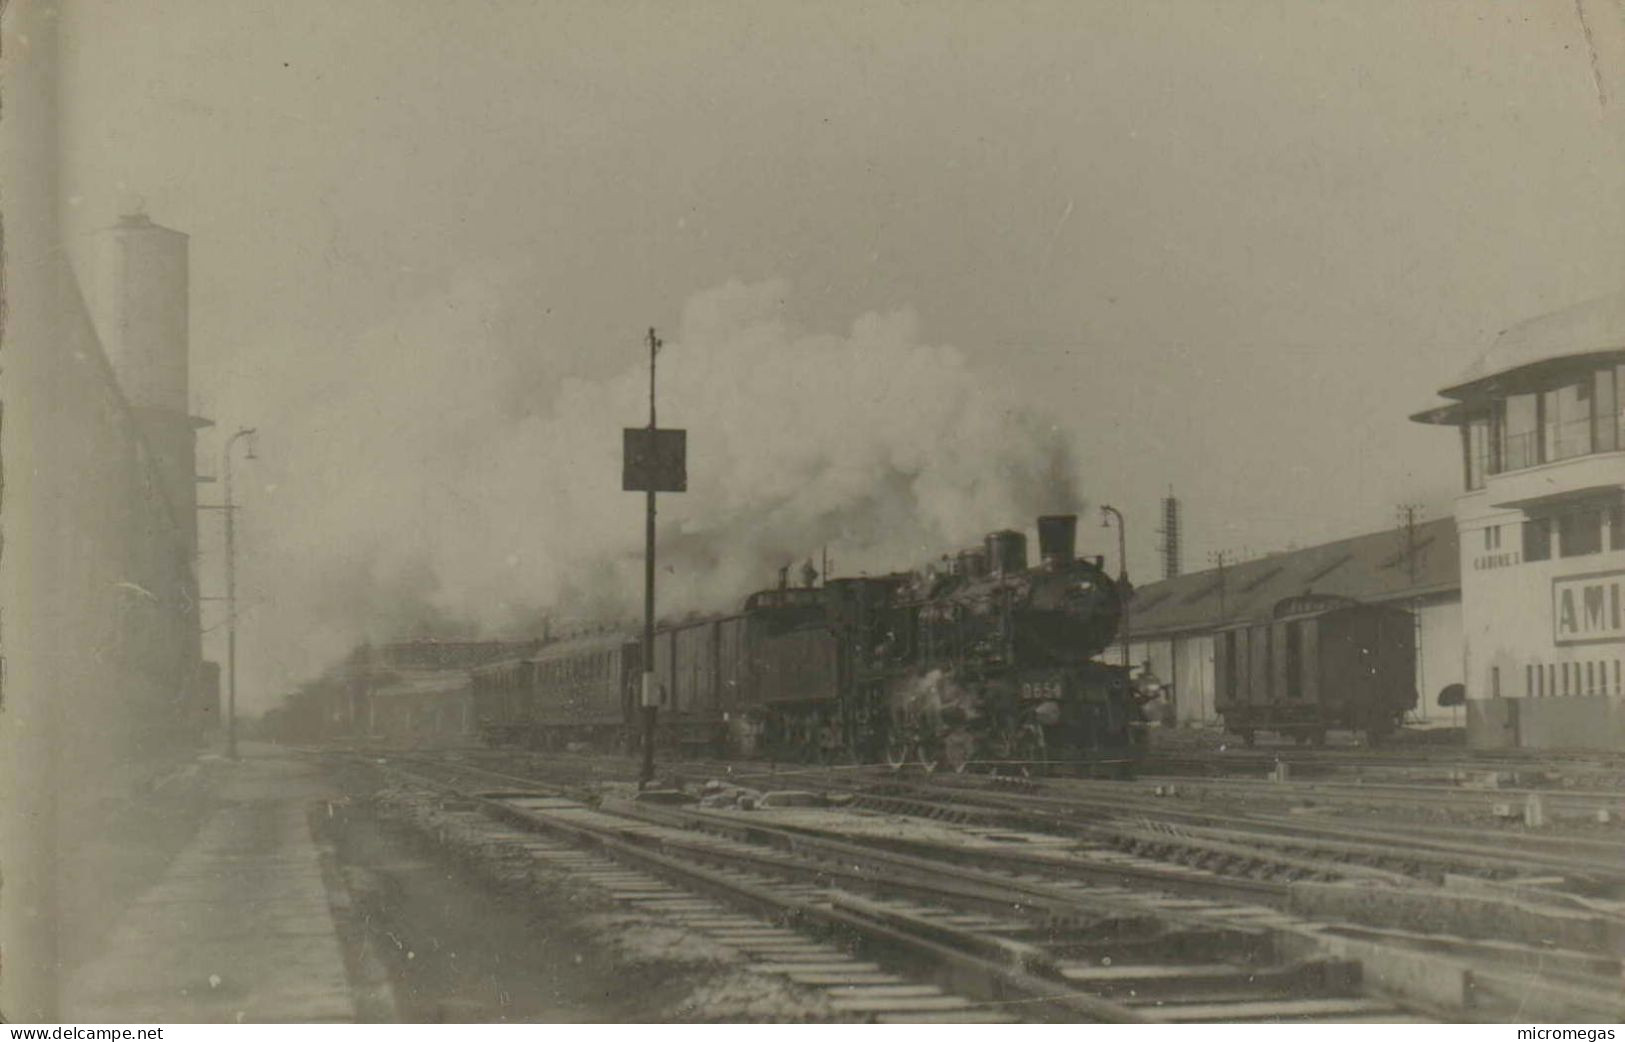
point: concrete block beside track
(1441, 910)
(1418, 977)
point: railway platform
(239, 927)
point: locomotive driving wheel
(1028, 749)
(827, 728)
(954, 752)
(899, 746)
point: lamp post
(231, 588)
(1107, 513)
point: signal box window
(1478, 452)
(1537, 539)
(1567, 421)
(1619, 406)
(1607, 410)
(1520, 431)
(1579, 533)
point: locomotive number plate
(1041, 690)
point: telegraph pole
(231, 592)
(1407, 517)
(651, 707)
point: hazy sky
(1221, 247)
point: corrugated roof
(1374, 567)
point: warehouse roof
(1382, 566)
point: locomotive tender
(983, 660)
(1317, 663)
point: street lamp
(1106, 515)
(231, 588)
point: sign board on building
(1489, 562)
(654, 460)
(1305, 603)
(1589, 609)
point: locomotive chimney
(1006, 552)
(1057, 539)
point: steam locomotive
(982, 660)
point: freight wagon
(1317, 664)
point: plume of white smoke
(425, 506)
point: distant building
(1541, 418)
(1171, 623)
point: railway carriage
(1317, 664)
(503, 695)
(576, 691)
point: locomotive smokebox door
(654, 460)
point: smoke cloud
(426, 494)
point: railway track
(1282, 847)
(1445, 764)
(1427, 853)
(893, 935)
(1483, 802)
(1297, 842)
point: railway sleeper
(1110, 930)
(1235, 859)
(955, 813)
(1162, 983)
(1174, 945)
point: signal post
(652, 460)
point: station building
(1172, 623)
(1541, 421)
